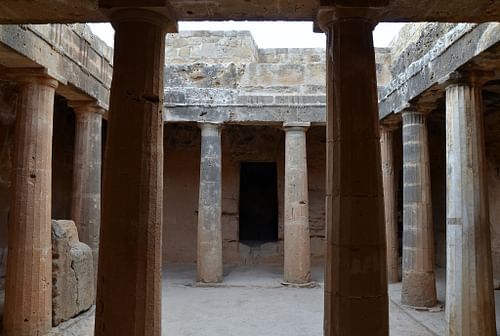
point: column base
(419, 289)
(293, 280)
(210, 281)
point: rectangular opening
(258, 202)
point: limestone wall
(211, 47)
(63, 144)
(437, 155)
(6, 146)
(231, 60)
(240, 144)
(226, 68)
(8, 97)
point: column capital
(32, 75)
(82, 107)
(390, 124)
(204, 125)
(331, 11)
(158, 15)
(473, 77)
(423, 108)
(411, 116)
(296, 126)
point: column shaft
(297, 263)
(390, 204)
(28, 292)
(470, 302)
(86, 205)
(356, 301)
(129, 278)
(210, 267)
(419, 283)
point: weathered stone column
(390, 204)
(470, 302)
(86, 205)
(210, 267)
(28, 290)
(356, 301)
(129, 277)
(297, 240)
(419, 282)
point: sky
(277, 34)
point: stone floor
(251, 301)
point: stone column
(86, 205)
(470, 302)
(297, 263)
(390, 203)
(419, 283)
(28, 291)
(356, 301)
(129, 278)
(210, 266)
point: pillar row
(209, 262)
(28, 290)
(470, 302)
(86, 202)
(390, 204)
(419, 282)
(356, 300)
(297, 264)
(129, 276)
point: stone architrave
(28, 290)
(297, 241)
(209, 262)
(419, 281)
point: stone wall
(212, 47)
(240, 144)
(437, 155)
(492, 138)
(63, 144)
(226, 68)
(6, 147)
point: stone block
(185, 51)
(72, 273)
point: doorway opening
(258, 203)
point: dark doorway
(258, 202)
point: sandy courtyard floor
(252, 302)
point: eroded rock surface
(72, 273)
